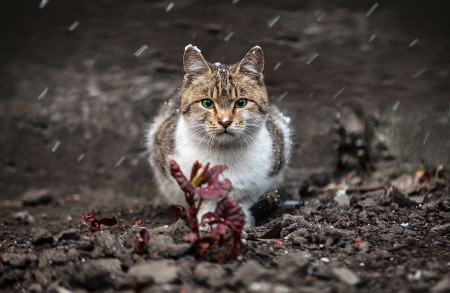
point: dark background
(101, 96)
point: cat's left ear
(193, 61)
(253, 63)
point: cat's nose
(225, 123)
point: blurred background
(81, 80)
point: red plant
(142, 238)
(209, 184)
(95, 225)
(357, 243)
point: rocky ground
(81, 80)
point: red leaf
(217, 184)
(357, 243)
(138, 223)
(176, 211)
(178, 175)
(108, 221)
(218, 230)
(94, 223)
(192, 237)
(142, 239)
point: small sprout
(142, 239)
(357, 243)
(176, 211)
(95, 225)
(209, 184)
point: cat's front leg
(206, 207)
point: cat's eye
(208, 104)
(241, 103)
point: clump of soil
(335, 242)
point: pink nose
(225, 124)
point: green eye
(241, 103)
(208, 104)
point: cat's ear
(253, 63)
(193, 61)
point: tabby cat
(222, 115)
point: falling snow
(320, 17)
(426, 138)
(419, 73)
(44, 92)
(80, 158)
(140, 51)
(228, 37)
(371, 9)
(395, 107)
(73, 26)
(413, 43)
(339, 92)
(282, 96)
(55, 147)
(273, 21)
(312, 58)
(119, 162)
(43, 3)
(169, 7)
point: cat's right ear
(193, 62)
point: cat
(222, 115)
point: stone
(211, 274)
(100, 274)
(281, 289)
(396, 229)
(15, 260)
(164, 271)
(292, 265)
(443, 286)
(250, 272)
(443, 229)
(36, 197)
(69, 234)
(35, 288)
(346, 276)
(164, 246)
(343, 201)
(41, 236)
(260, 287)
(368, 202)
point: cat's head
(224, 104)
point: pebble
(249, 273)
(260, 287)
(36, 197)
(164, 271)
(342, 201)
(211, 274)
(291, 266)
(35, 288)
(15, 260)
(69, 234)
(346, 276)
(41, 236)
(443, 286)
(96, 274)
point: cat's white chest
(248, 165)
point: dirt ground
(81, 80)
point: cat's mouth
(225, 132)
